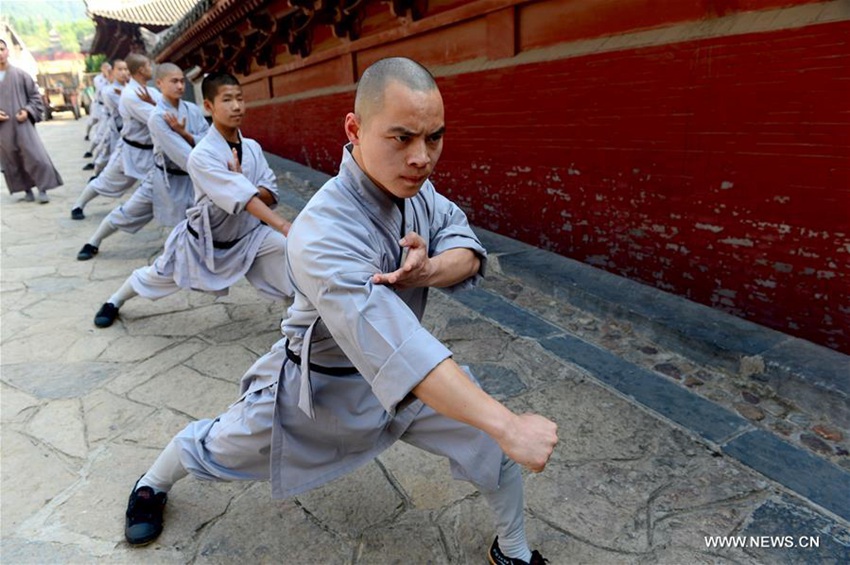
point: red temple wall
(717, 169)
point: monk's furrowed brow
(401, 130)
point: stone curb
(811, 477)
(816, 377)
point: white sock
(86, 196)
(507, 503)
(165, 471)
(123, 294)
(104, 230)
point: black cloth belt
(136, 144)
(332, 371)
(177, 172)
(216, 244)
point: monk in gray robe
(231, 232)
(96, 107)
(133, 158)
(356, 370)
(23, 158)
(110, 121)
(166, 193)
(97, 123)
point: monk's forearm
(453, 266)
(528, 439)
(449, 391)
(266, 196)
(257, 208)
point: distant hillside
(34, 19)
(55, 11)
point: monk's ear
(208, 106)
(353, 128)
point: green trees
(35, 32)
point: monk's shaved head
(135, 61)
(373, 83)
(164, 69)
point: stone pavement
(676, 422)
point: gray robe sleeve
(263, 175)
(197, 124)
(375, 329)
(450, 229)
(34, 104)
(228, 190)
(137, 108)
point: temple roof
(143, 12)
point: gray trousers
(265, 274)
(237, 446)
(136, 212)
(112, 182)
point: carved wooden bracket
(232, 43)
(266, 55)
(212, 56)
(347, 19)
(257, 35)
(299, 33)
(413, 9)
(262, 21)
(242, 64)
(261, 44)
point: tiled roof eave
(155, 12)
(199, 26)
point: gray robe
(135, 115)
(326, 426)
(23, 158)
(100, 82)
(218, 216)
(109, 124)
(173, 194)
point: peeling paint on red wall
(716, 169)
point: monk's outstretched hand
(530, 441)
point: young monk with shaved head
(356, 370)
(133, 158)
(166, 192)
(109, 124)
(230, 231)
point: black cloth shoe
(87, 252)
(88, 166)
(87, 155)
(106, 315)
(77, 214)
(143, 520)
(498, 558)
